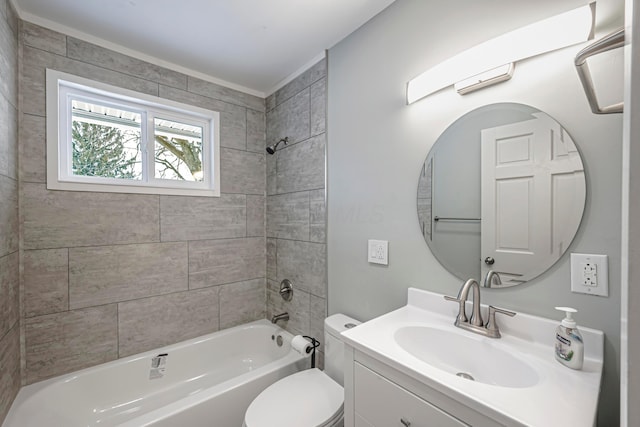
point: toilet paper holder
(315, 343)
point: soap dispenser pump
(569, 345)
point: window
(104, 138)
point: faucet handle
(462, 315)
(492, 327)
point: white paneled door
(531, 178)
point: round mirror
(501, 191)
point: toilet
(310, 398)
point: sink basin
(470, 357)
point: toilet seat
(306, 398)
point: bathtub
(207, 381)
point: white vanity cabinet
(377, 395)
(381, 403)
(413, 368)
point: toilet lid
(306, 398)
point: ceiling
(251, 45)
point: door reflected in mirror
(503, 190)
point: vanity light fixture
(488, 78)
(493, 61)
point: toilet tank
(334, 346)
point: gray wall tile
(226, 94)
(304, 80)
(8, 139)
(35, 62)
(256, 216)
(290, 119)
(233, 127)
(33, 145)
(242, 172)
(105, 58)
(215, 262)
(10, 375)
(107, 274)
(302, 166)
(65, 342)
(12, 18)
(9, 369)
(304, 263)
(270, 102)
(288, 216)
(272, 172)
(242, 302)
(272, 250)
(317, 216)
(55, 219)
(8, 215)
(256, 131)
(298, 308)
(9, 63)
(318, 107)
(9, 303)
(149, 323)
(46, 281)
(44, 39)
(233, 118)
(202, 218)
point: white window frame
(62, 88)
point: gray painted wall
(9, 236)
(377, 144)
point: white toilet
(310, 398)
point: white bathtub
(207, 381)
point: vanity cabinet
(377, 395)
(382, 403)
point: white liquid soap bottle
(569, 344)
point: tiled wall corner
(10, 375)
(296, 219)
(107, 275)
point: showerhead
(272, 148)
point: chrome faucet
(492, 278)
(282, 316)
(476, 324)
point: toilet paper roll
(301, 345)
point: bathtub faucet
(281, 316)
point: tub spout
(281, 316)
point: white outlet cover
(378, 252)
(590, 274)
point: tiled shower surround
(90, 277)
(9, 226)
(107, 275)
(296, 242)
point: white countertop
(561, 396)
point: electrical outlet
(378, 252)
(589, 274)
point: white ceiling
(252, 45)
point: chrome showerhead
(272, 148)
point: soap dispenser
(569, 344)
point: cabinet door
(382, 403)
